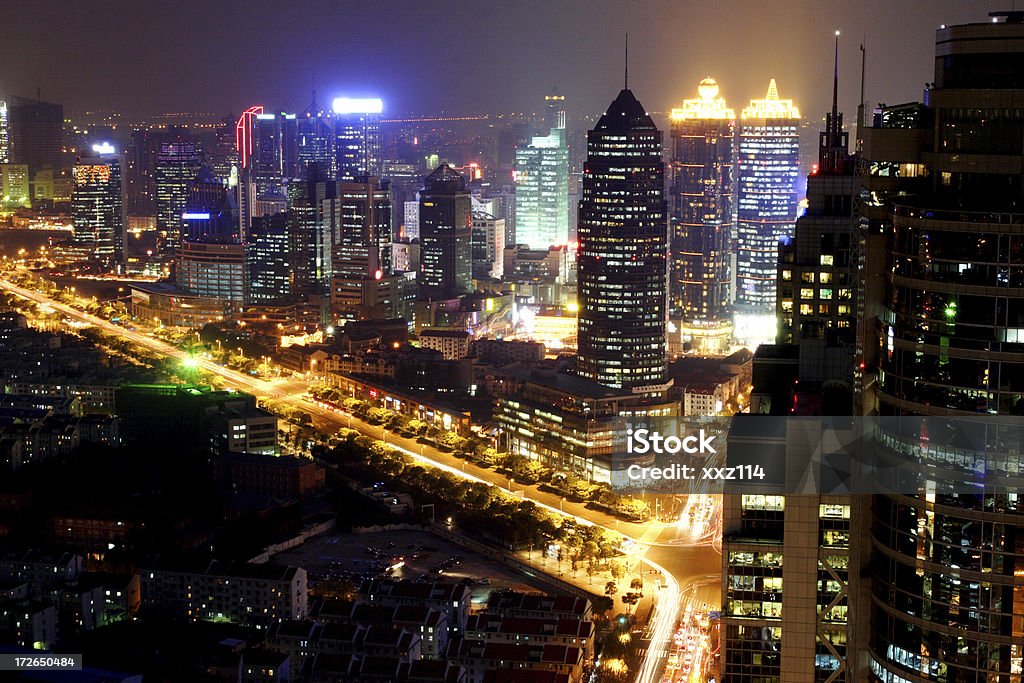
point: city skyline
(67, 65)
(678, 400)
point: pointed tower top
(773, 91)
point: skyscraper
(947, 600)
(623, 244)
(542, 183)
(36, 135)
(445, 236)
(701, 194)
(314, 141)
(818, 268)
(488, 245)
(269, 261)
(362, 286)
(357, 137)
(98, 208)
(768, 155)
(177, 166)
(141, 171)
(791, 562)
(4, 135)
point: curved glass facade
(947, 575)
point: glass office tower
(945, 339)
(768, 156)
(701, 207)
(623, 248)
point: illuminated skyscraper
(269, 261)
(947, 598)
(4, 135)
(266, 161)
(359, 220)
(357, 137)
(623, 244)
(792, 561)
(445, 236)
(768, 156)
(177, 166)
(98, 207)
(817, 273)
(314, 141)
(542, 183)
(701, 194)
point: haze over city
(466, 342)
(463, 57)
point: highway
(682, 552)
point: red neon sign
(243, 134)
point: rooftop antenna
(863, 61)
(625, 85)
(835, 82)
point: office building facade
(768, 156)
(445, 236)
(946, 599)
(542, 185)
(177, 166)
(98, 206)
(623, 244)
(701, 211)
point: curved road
(681, 564)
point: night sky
(466, 56)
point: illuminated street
(681, 552)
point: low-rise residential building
(250, 594)
(278, 476)
(499, 628)
(452, 599)
(479, 657)
(453, 344)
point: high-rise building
(943, 293)
(542, 183)
(213, 268)
(790, 562)
(267, 162)
(35, 139)
(15, 189)
(314, 141)
(141, 171)
(98, 208)
(445, 236)
(210, 209)
(623, 243)
(36, 134)
(768, 156)
(177, 166)
(269, 260)
(817, 272)
(4, 135)
(357, 137)
(701, 207)
(488, 245)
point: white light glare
(358, 105)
